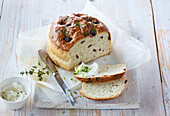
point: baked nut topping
(69, 29)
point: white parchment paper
(125, 49)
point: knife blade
(47, 60)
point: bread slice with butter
(105, 73)
(105, 90)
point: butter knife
(46, 59)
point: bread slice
(103, 91)
(106, 73)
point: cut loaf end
(84, 50)
(103, 91)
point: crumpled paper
(125, 49)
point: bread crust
(105, 98)
(76, 26)
(57, 46)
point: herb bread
(103, 91)
(105, 73)
(77, 38)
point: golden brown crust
(69, 29)
(64, 55)
(105, 98)
(100, 79)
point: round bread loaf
(77, 38)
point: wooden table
(150, 21)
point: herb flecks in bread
(77, 38)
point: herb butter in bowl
(14, 92)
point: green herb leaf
(39, 63)
(39, 75)
(84, 70)
(63, 112)
(44, 68)
(40, 78)
(71, 78)
(86, 67)
(35, 67)
(22, 73)
(74, 73)
(74, 92)
(81, 97)
(31, 72)
(47, 72)
(26, 72)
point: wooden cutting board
(129, 99)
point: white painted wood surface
(162, 30)
(23, 15)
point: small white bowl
(26, 86)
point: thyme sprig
(38, 70)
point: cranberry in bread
(77, 38)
